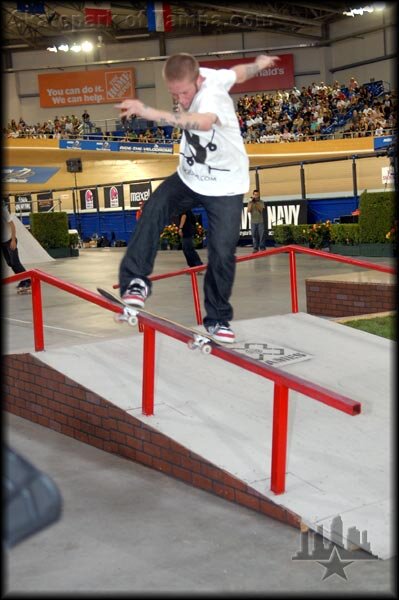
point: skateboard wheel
(133, 320)
(206, 349)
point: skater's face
(183, 91)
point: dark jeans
(12, 259)
(191, 255)
(258, 235)
(224, 220)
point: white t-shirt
(214, 162)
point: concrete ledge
(351, 294)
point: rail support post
(37, 313)
(148, 370)
(293, 282)
(196, 298)
(279, 442)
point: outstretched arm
(249, 70)
(184, 120)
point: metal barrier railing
(283, 382)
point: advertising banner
(116, 146)
(284, 212)
(89, 198)
(139, 192)
(23, 204)
(279, 77)
(79, 88)
(44, 202)
(113, 196)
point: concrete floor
(126, 527)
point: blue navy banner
(115, 146)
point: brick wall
(39, 393)
(341, 299)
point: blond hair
(181, 66)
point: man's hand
(131, 107)
(248, 70)
(263, 61)
(13, 244)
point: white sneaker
(136, 293)
(221, 332)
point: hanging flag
(32, 8)
(98, 13)
(159, 16)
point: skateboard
(130, 315)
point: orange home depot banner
(86, 87)
(279, 77)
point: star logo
(335, 565)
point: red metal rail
(291, 249)
(283, 382)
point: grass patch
(382, 326)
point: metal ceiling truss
(129, 19)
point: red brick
(161, 465)
(223, 490)
(151, 449)
(143, 458)
(171, 456)
(247, 500)
(180, 473)
(202, 482)
(192, 465)
(133, 443)
(160, 440)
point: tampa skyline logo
(332, 554)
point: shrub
(282, 234)
(377, 216)
(347, 234)
(319, 235)
(50, 229)
(300, 234)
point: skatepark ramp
(222, 436)
(29, 250)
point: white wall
(310, 64)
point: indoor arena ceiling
(23, 31)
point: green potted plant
(199, 236)
(319, 235)
(51, 231)
(345, 239)
(170, 238)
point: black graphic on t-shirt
(198, 153)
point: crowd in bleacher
(313, 112)
(316, 111)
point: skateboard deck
(24, 290)
(255, 345)
(130, 314)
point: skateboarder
(212, 173)
(10, 249)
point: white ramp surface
(337, 464)
(29, 250)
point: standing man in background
(187, 225)
(212, 173)
(255, 209)
(9, 248)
